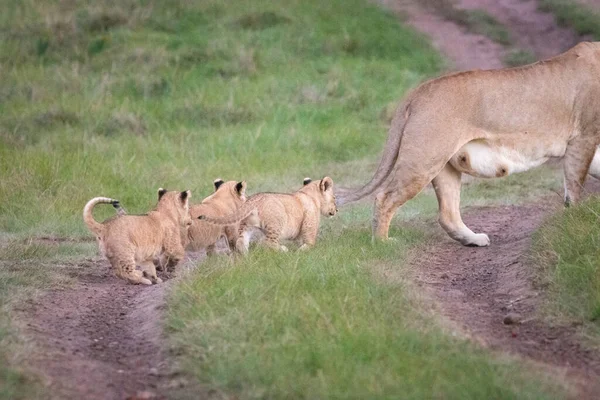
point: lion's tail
(241, 213)
(94, 226)
(386, 165)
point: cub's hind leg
(149, 271)
(447, 189)
(125, 269)
(308, 236)
(173, 253)
(272, 231)
(243, 241)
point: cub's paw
(137, 277)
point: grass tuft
(518, 57)
(261, 20)
(566, 250)
(323, 324)
(583, 19)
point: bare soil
(490, 295)
(102, 339)
(530, 28)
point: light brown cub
(226, 199)
(130, 240)
(292, 216)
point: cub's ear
(184, 196)
(306, 181)
(218, 182)
(240, 187)
(326, 184)
(161, 192)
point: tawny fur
(128, 241)
(283, 216)
(226, 199)
(490, 124)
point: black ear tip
(185, 194)
(306, 181)
(239, 186)
(218, 182)
(161, 192)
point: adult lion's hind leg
(125, 269)
(447, 189)
(578, 158)
(396, 193)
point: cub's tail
(243, 212)
(94, 226)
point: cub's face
(176, 203)
(324, 187)
(230, 191)
(328, 205)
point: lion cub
(226, 199)
(130, 240)
(292, 216)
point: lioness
(489, 124)
(292, 216)
(130, 240)
(226, 199)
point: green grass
(566, 251)
(583, 19)
(518, 57)
(335, 322)
(182, 94)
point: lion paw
(137, 277)
(477, 240)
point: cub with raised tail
(291, 216)
(128, 241)
(227, 198)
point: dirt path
(102, 339)
(488, 293)
(531, 30)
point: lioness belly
(595, 165)
(485, 160)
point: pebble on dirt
(511, 319)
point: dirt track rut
(477, 289)
(101, 339)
